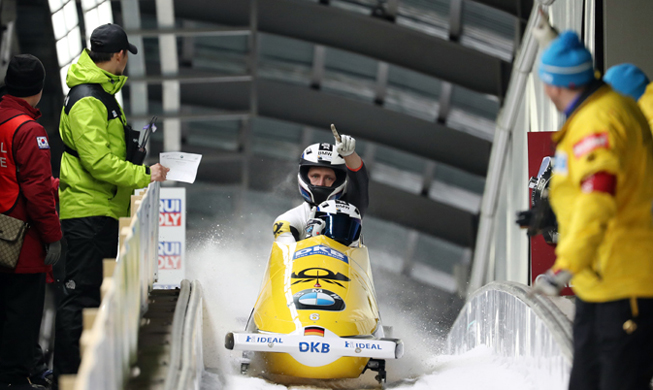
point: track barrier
(515, 323)
(110, 337)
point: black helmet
(321, 155)
(342, 221)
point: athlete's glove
(543, 32)
(314, 227)
(552, 282)
(346, 145)
(52, 253)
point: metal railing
(186, 370)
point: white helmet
(342, 221)
(321, 155)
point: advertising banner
(543, 255)
(172, 237)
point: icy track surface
(230, 269)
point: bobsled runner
(316, 315)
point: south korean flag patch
(42, 142)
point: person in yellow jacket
(629, 80)
(601, 191)
(97, 179)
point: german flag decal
(313, 331)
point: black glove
(524, 218)
(52, 253)
(539, 220)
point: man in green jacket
(96, 181)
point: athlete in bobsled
(316, 315)
(325, 172)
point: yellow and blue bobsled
(316, 315)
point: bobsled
(316, 315)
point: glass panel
(88, 4)
(104, 12)
(70, 14)
(91, 21)
(222, 135)
(473, 112)
(277, 139)
(400, 160)
(75, 42)
(59, 25)
(351, 63)
(273, 129)
(437, 253)
(455, 196)
(486, 106)
(395, 177)
(349, 86)
(428, 16)
(225, 55)
(63, 51)
(63, 72)
(275, 47)
(55, 5)
(412, 93)
(488, 30)
(286, 59)
(403, 78)
(458, 177)
(351, 75)
(357, 6)
(411, 103)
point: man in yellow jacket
(601, 192)
(629, 80)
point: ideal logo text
(264, 339)
(351, 344)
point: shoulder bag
(12, 234)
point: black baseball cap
(110, 38)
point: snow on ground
(474, 370)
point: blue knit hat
(627, 79)
(566, 62)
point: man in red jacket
(26, 193)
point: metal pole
(131, 16)
(165, 15)
(523, 65)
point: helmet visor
(342, 228)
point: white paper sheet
(183, 166)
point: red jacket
(36, 202)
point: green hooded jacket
(99, 182)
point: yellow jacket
(605, 241)
(645, 103)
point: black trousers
(90, 240)
(606, 357)
(21, 310)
